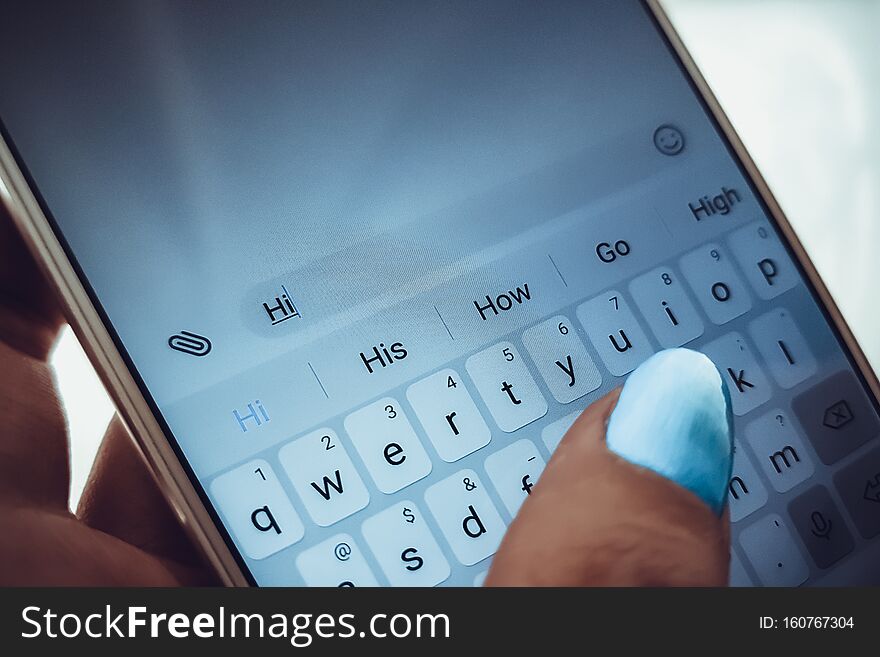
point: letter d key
(466, 516)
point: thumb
(642, 507)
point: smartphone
(350, 271)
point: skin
(594, 518)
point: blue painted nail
(674, 417)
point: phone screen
(370, 260)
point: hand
(123, 533)
(593, 519)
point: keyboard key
(663, 302)
(449, 415)
(771, 550)
(821, 527)
(324, 477)
(338, 561)
(404, 546)
(468, 519)
(859, 488)
(836, 416)
(513, 471)
(388, 445)
(480, 578)
(746, 492)
(746, 381)
(259, 514)
(738, 575)
(614, 332)
(764, 260)
(783, 348)
(554, 432)
(507, 388)
(780, 451)
(562, 359)
(719, 289)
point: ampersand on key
(468, 484)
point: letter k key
(739, 380)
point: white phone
(349, 271)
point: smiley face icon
(669, 140)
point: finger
(122, 499)
(34, 470)
(33, 435)
(590, 425)
(30, 317)
(595, 518)
(61, 551)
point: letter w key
(324, 490)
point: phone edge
(81, 314)
(754, 174)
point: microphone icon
(821, 525)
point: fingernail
(674, 417)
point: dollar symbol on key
(408, 515)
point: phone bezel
(152, 436)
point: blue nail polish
(674, 417)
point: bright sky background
(798, 79)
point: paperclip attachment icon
(190, 343)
